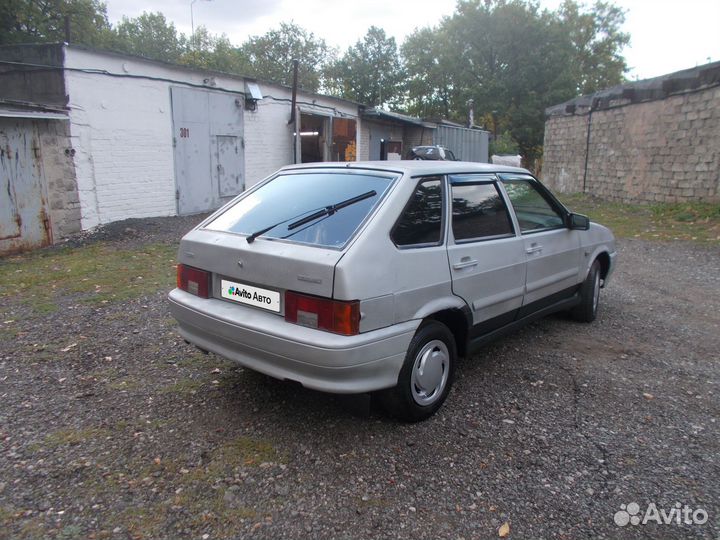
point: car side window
(532, 210)
(421, 221)
(479, 212)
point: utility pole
(192, 22)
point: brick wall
(662, 150)
(122, 130)
(268, 139)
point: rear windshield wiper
(330, 210)
(327, 211)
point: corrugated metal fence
(466, 144)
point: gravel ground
(131, 433)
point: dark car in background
(435, 153)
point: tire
(587, 310)
(426, 376)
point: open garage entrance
(327, 138)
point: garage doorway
(344, 145)
(327, 138)
(313, 130)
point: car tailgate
(269, 264)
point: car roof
(414, 167)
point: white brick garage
(130, 134)
(154, 139)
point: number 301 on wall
(184, 133)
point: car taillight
(336, 316)
(193, 280)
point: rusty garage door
(24, 221)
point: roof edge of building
(656, 88)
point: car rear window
(288, 198)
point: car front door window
(533, 211)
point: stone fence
(651, 141)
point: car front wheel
(426, 376)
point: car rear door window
(533, 211)
(478, 209)
(290, 197)
(421, 221)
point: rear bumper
(264, 342)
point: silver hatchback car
(376, 276)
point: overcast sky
(666, 35)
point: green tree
(38, 21)
(208, 51)
(596, 43)
(370, 72)
(149, 35)
(514, 59)
(431, 66)
(269, 57)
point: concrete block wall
(667, 150)
(45, 86)
(59, 173)
(564, 153)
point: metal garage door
(24, 221)
(209, 148)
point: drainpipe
(67, 28)
(587, 144)
(293, 106)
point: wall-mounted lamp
(252, 95)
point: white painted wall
(121, 128)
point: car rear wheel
(426, 376)
(587, 310)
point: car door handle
(465, 262)
(534, 248)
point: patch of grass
(217, 512)
(7, 514)
(246, 451)
(194, 360)
(99, 273)
(183, 386)
(145, 522)
(202, 513)
(127, 383)
(698, 222)
(33, 528)
(64, 437)
(242, 452)
(69, 532)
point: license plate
(252, 296)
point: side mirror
(578, 222)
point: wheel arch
(604, 259)
(458, 321)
